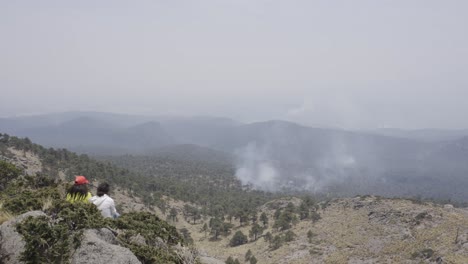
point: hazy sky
(353, 64)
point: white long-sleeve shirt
(106, 205)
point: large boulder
(97, 245)
(11, 242)
(100, 246)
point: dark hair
(78, 190)
(102, 189)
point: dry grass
(47, 203)
(62, 190)
(346, 235)
(187, 255)
(343, 235)
(4, 215)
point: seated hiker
(79, 191)
(103, 202)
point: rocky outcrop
(11, 242)
(100, 246)
(97, 245)
(27, 161)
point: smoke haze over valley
(272, 155)
(341, 98)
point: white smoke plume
(256, 166)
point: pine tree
(276, 242)
(303, 211)
(264, 219)
(216, 226)
(173, 214)
(253, 260)
(205, 228)
(255, 231)
(238, 239)
(248, 255)
(229, 260)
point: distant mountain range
(423, 134)
(106, 133)
(272, 154)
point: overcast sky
(352, 64)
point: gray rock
(97, 246)
(107, 235)
(95, 249)
(462, 238)
(210, 260)
(138, 240)
(11, 242)
(448, 206)
(206, 259)
(160, 243)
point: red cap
(79, 180)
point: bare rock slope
(363, 229)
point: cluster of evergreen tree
(212, 187)
(249, 258)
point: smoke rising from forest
(255, 167)
(260, 165)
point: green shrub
(49, 239)
(248, 255)
(253, 260)
(8, 172)
(238, 239)
(46, 242)
(424, 254)
(276, 242)
(310, 235)
(230, 260)
(151, 228)
(25, 200)
(289, 236)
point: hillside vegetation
(359, 230)
(213, 187)
(53, 237)
(330, 161)
(224, 220)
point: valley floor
(353, 230)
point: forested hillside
(217, 214)
(212, 186)
(39, 226)
(58, 161)
(271, 155)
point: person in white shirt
(103, 202)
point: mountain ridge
(361, 229)
(290, 155)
